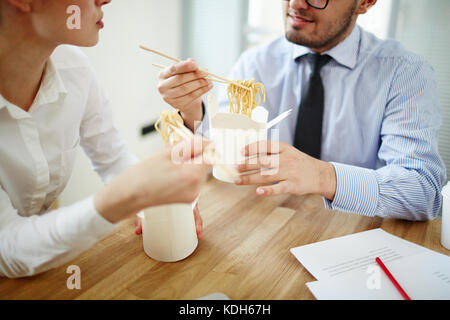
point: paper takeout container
(445, 232)
(169, 232)
(232, 132)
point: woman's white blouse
(37, 154)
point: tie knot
(319, 61)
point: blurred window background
(215, 33)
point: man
(364, 134)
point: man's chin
(302, 40)
(296, 38)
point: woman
(50, 102)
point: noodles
(167, 118)
(244, 101)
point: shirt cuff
(203, 128)
(356, 192)
(99, 225)
(203, 110)
(82, 224)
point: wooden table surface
(244, 252)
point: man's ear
(364, 6)
(22, 5)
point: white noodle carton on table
(232, 132)
(168, 231)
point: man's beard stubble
(326, 39)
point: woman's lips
(100, 24)
(297, 21)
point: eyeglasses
(317, 4)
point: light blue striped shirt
(380, 125)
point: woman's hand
(174, 175)
(197, 217)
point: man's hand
(182, 85)
(197, 217)
(284, 169)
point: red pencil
(391, 277)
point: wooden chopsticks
(209, 78)
(201, 69)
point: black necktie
(308, 133)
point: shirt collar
(52, 86)
(345, 53)
(3, 102)
(299, 51)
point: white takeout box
(168, 231)
(232, 132)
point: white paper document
(346, 268)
